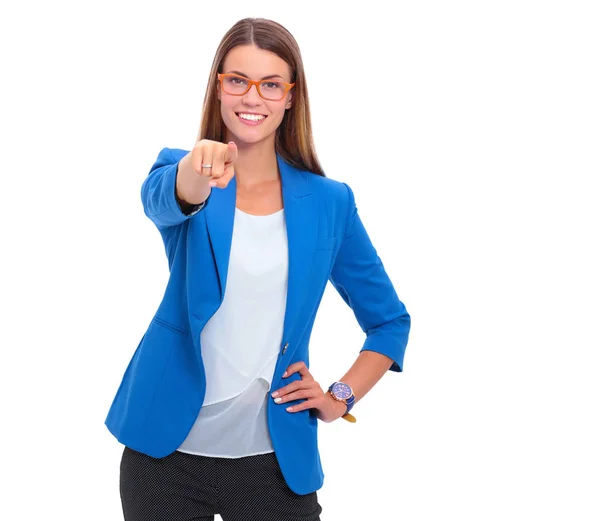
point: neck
(256, 163)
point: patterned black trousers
(186, 487)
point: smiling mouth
(250, 117)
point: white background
(469, 132)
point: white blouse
(241, 342)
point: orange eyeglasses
(270, 90)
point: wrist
(339, 407)
(342, 392)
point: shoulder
(334, 199)
(331, 190)
(169, 156)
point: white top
(241, 342)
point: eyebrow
(265, 78)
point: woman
(217, 409)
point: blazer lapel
(220, 212)
(301, 220)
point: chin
(245, 139)
(249, 137)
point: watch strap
(349, 418)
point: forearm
(191, 189)
(366, 371)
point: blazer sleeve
(359, 277)
(159, 191)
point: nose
(252, 97)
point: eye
(271, 85)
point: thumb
(232, 152)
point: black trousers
(186, 487)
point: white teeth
(252, 117)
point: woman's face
(254, 64)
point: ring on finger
(206, 165)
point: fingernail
(212, 184)
(275, 394)
(285, 374)
(277, 400)
(232, 143)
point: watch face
(341, 390)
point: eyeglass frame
(220, 76)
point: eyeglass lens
(269, 89)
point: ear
(288, 104)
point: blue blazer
(163, 387)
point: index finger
(298, 367)
(232, 153)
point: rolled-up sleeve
(360, 278)
(159, 191)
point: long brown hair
(293, 140)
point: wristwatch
(342, 392)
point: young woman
(218, 410)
